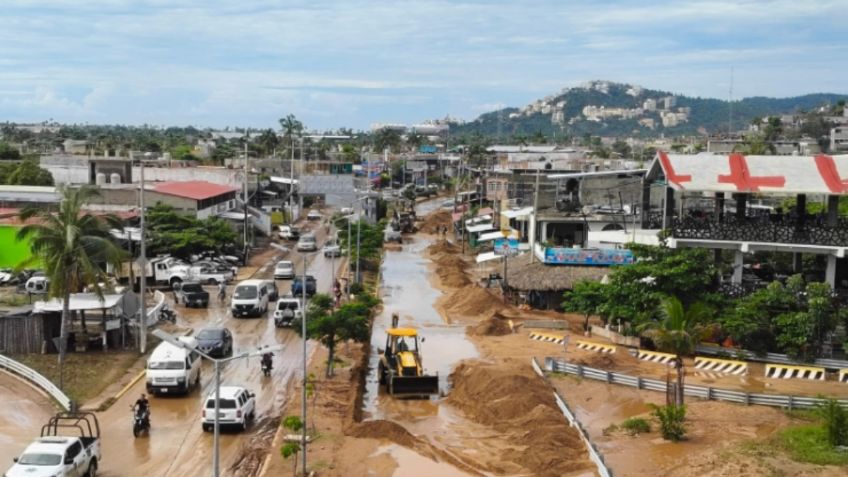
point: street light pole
(142, 345)
(358, 228)
(245, 202)
(303, 391)
(169, 338)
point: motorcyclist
(268, 360)
(142, 408)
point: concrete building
(839, 139)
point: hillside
(614, 109)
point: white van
(171, 369)
(251, 297)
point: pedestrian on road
(222, 292)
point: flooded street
(25, 410)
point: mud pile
(496, 325)
(442, 247)
(451, 271)
(472, 301)
(519, 405)
(382, 429)
(436, 220)
(597, 360)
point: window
(166, 365)
(224, 404)
(40, 459)
(73, 451)
(245, 292)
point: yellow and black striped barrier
(592, 346)
(786, 371)
(843, 375)
(725, 366)
(547, 337)
(655, 356)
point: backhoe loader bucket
(413, 385)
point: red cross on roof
(741, 177)
(670, 175)
(830, 175)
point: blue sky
(353, 62)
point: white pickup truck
(59, 453)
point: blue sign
(506, 246)
(588, 256)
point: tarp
(784, 175)
(515, 213)
(79, 301)
(479, 228)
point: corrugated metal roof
(197, 190)
(764, 174)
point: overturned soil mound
(473, 301)
(598, 360)
(443, 246)
(496, 325)
(436, 220)
(381, 429)
(520, 405)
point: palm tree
(72, 246)
(678, 333)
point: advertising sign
(587, 256)
(506, 246)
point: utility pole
(245, 202)
(142, 343)
(358, 227)
(303, 390)
(533, 223)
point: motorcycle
(141, 422)
(267, 366)
(166, 314)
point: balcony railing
(762, 229)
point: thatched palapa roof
(524, 276)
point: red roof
(197, 190)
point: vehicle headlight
(181, 379)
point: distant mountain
(613, 109)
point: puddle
(411, 464)
(407, 291)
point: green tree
(182, 235)
(587, 298)
(73, 246)
(755, 145)
(29, 172)
(672, 419)
(267, 142)
(8, 152)
(387, 139)
(349, 322)
(678, 333)
(291, 128)
(350, 154)
(773, 129)
(835, 419)
(291, 449)
(621, 148)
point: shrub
(671, 419)
(835, 419)
(636, 425)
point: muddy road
(25, 411)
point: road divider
(654, 356)
(547, 337)
(725, 366)
(785, 371)
(597, 347)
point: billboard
(506, 246)
(587, 256)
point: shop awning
(496, 235)
(479, 228)
(516, 213)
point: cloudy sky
(354, 62)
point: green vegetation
(587, 297)
(370, 240)
(73, 247)
(291, 449)
(14, 252)
(672, 421)
(8, 152)
(26, 172)
(835, 419)
(636, 425)
(182, 235)
(809, 443)
(350, 321)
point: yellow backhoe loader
(401, 370)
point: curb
(129, 385)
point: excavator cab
(400, 365)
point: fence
(153, 313)
(594, 455)
(549, 324)
(37, 379)
(703, 392)
(831, 364)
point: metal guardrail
(594, 455)
(703, 392)
(830, 364)
(37, 379)
(548, 324)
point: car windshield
(284, 266)
(290, 305)
(192, 287)
(245, 292)
(307, 238)
(225, 404)
(40, 459)
(166, 365)
(210, 334)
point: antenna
(730, 105)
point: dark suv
(192, 294)
(297, 285)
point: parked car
(236, 407)
(288, 308)
(288, 232)
(57, 453)
(217, 341)
(392, 235)
(251, 297)
(307, 243)
(297, 286)
(217, 266)
(284, 269)
(313, 215)
(191, 294)
(332, 249)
